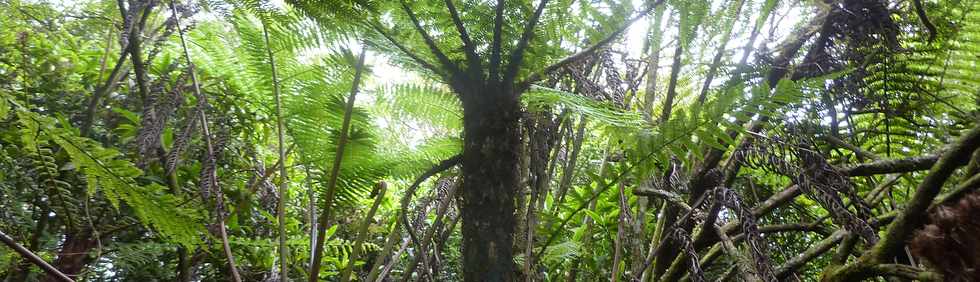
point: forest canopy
(473, 140)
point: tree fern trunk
(490, 179)
(73, 256)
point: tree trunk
(490, 179)
(73, 256)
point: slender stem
(389, 244)
(362, 233)
(675, 71)
(283, 177)
(720, 52)
(335, 171)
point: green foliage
(891, 102)
(105, 171)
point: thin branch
(668, 196)
(202, 116)
(719, 53)
(811, 253)
(675, 71)
(959, 192)
(33, 258)
(335, 170)
(833, 140)
(906, 271)
(389, 244)
(540, 74)
(136, 50)
(422, 247)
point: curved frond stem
(443, 59)
(540, 74)
(921, 13)
(362, 232)
(410, 192)
(498, 26)
(472, 58)
(335, 171)
(401, 47)
(517, 55)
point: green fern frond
(106, 171)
